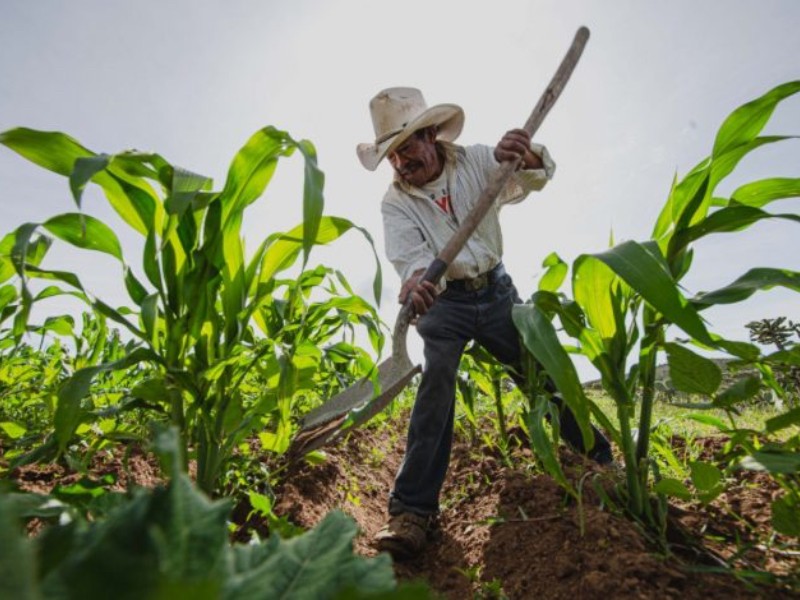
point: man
(436, 184)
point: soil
(507, 530)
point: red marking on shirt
(444, 204)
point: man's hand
(517, 144)
(423, 293)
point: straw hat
(400, 111)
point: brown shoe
(405, 535)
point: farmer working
(436, 184)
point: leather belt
(477, 283)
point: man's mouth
(410, 169)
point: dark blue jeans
(457, 317)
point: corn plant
(627, 297)
(201, 309)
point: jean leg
(430, 433)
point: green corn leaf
(690, 372)
(711, 420)
(747, 121)
(82, 172)
(313, 200)
(85, 231)
(136, 290)
(593, 283)
(51, 150)
(762, 192)
(748, 284)
(555, 274)
(151, 263)
(68, 410)
(61, 325)
(284, 249)
(8, 293)
(648, 276)
(539, 337)
(723, 164)
(252, 168)
(542, 412)
(729, 219)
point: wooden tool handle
(437, 268)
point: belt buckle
(477, 283)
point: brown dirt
(511, 531)
(507, 530)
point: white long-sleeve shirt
(417, 228)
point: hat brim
(448, 117)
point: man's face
(416, 160)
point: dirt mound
(508, 530)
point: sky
(192, 80)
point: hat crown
(394, 108)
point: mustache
(409, 168)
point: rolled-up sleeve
(525, 181)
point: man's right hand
(423, 293)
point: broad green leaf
(82, 172)
(790, 356)
(710, 420)
(740, 391)
(85, 231)
(542, 412)
(691, 372)
(13, 430)
(539, 337)
(786, 516)
(252, 168)
(61, 325)
(316, 564)
(730, 219)
(313, 200)
(672, 487)
(774, 462)
(648, 276)
(783, 421)
(707, 479)
(748, 284)
(285, 248)
(184, 187)
(723, 164)
(17, 566)
(759, 193)
(555, 274)
(51, 150)
(68, 410)
(747, 121)
(593, 284)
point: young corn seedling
(202, 309)
(627, 297)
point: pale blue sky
(192, 80)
